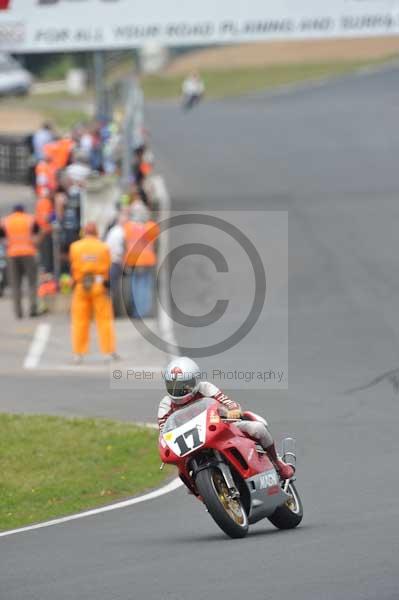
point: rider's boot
(285, 471)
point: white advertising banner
(60, 25)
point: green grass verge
(52, 466)
(234, 82)
(65, 120)
(59, 108)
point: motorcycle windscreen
(182, 415)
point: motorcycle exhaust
(289, 451)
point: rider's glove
(234, 414)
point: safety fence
(15, 158)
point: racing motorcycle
(228, 471)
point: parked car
(14, 80)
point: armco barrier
(15, 158)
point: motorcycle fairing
(266, 494)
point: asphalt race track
(327, 155)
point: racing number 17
(181, 440)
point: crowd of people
(56, 251)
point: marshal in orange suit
(90, 265)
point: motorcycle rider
(183, 385)
(193, 90)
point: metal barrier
(15, 158)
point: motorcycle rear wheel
(290, 514)
(227, 512)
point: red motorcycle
(228, 471)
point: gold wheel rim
(292, 503)
(231, 505)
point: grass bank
(58, 108)
(223, 83)
(53, 466)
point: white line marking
(166, 323)
(148, 425)
(166, 489)
(37, 346)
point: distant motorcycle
(3, 269)
(228, 471)
(193, 90)
(189, 101)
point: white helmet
(182, 379)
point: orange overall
(90, 259)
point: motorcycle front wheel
(226, 511)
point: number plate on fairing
(268, 480)
(188, 437)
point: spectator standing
(142, 168)
(90, 260)
(96, 154)
(40, 138)
(141, 233)
(86, 142)
(59, 151)
(69, 204)
(21, 233)
(44, 213)
(111, 142)
(70, 223)
(78, 171)
(60, 200)
(46, 175)
(117, 244)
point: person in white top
(78, 171)
(115, 239)
(40, 138)
(86, 143)
(193, 89)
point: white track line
(170, 487)
(37, 346)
